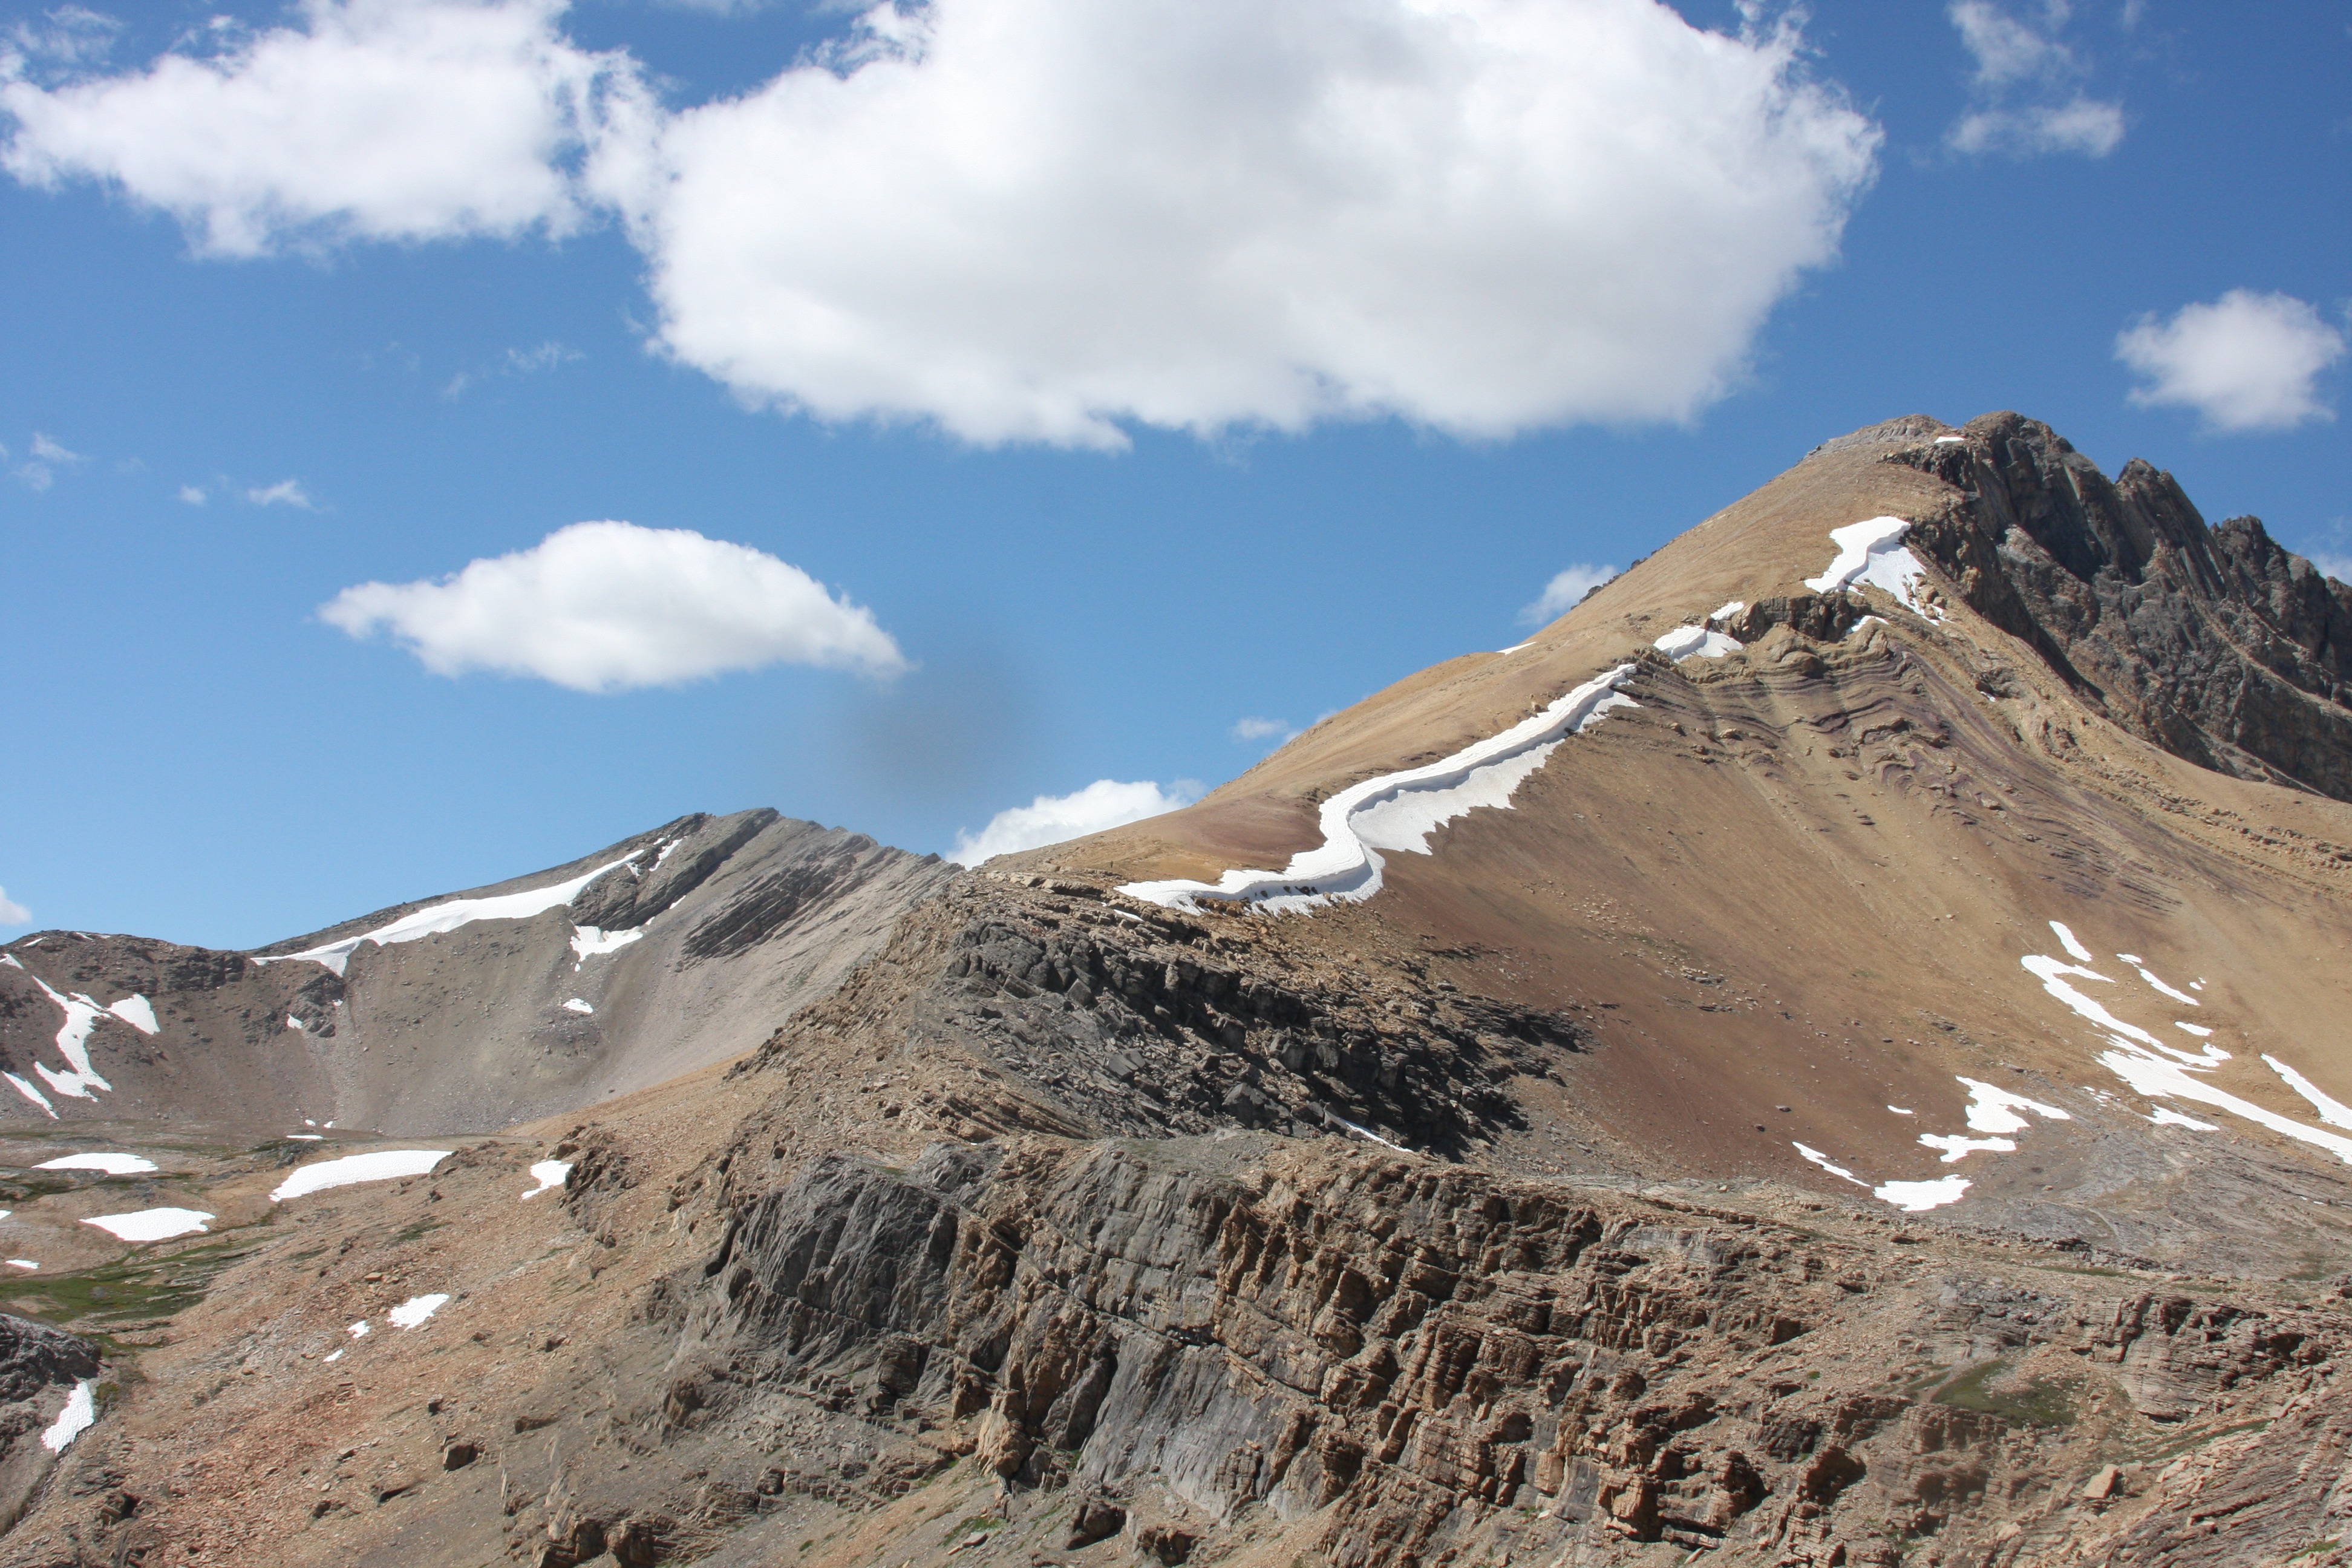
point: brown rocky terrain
(1719, 1153)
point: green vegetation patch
(132, 1291)
(2037, 1402)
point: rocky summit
(1830, 1053)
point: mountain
(463, 1012)
(1825, 1055)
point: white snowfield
(80, 1411)
(589, 941)
(29, 1092)
(152, 1224)
(1873, 553)
(380, 1166)
(434, 920)
(112, 1164)
(1399, 811)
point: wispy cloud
(2245, 363)
(1564, 592)
(44, 458)
(285, 493)
(13, 913)
(2026, 96)
(192, 494)
(547, 356)
(1255, 729)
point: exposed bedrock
(1112, 1023)
(1447, 1362)
(2214, 643)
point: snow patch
(1957, 1148)
(80, 1411)
(2334, 1113)
(29, 1092)
(2167, 1117)
(1696, 642)
(136, 1011)
(2199, 1030)
(332, 1355)
(1873, 553)
(10, 960)
(2169, 990)
(588, 941)
(415, 1310)
(2048, 971)
(1951, 440)
(22, 1263)
(1399, 811)
(1818, 1158)
(358, 1331)
(1900, 1111)
(549, 1174)
(381, 1165)
(1994, 1109)
(73, 1044)
(1919, 1197)
(577, 1006)
(152, 1224)
(436, 920)
(1368, 1134)
(2075, 949)
(1731, 607)
(112, 1164)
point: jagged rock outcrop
(2214, 643)
(1450, 1365)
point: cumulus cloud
(1044, 220)
(1034, 219)
(2247, 361)
(1052, 819)
(13, 913)
(1262, 729)
(398, 119)
(1564, 592)
(2025, 92)
(285, 493)
(605, 606)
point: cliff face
(2214, 642)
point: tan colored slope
(1804, 877)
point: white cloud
(2337, 566)
(192, 494)
(1037, 220)
(374, 119)
(1052, 819)
(1262, 729)
(50, 451)
(2246, 362)
(1563, 592)
(1034, 219)
(2025, 97)
(13, 913)
(285, 493)
(605, 606)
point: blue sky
(1102, 499)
